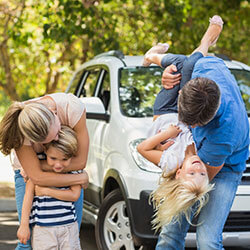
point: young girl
(54, 219)
(184, 179)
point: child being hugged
(51, 211)
(170, 145)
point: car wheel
(112, 229)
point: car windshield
(140, 85)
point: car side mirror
(95, 108)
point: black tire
(112, 232)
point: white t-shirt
(173, 156)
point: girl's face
(53, 131)
(57, 160)
(193, 169)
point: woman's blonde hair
(175, 197)
(24, 120)
(66, 143)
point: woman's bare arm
(79, 161)
(32, 168)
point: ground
(7, 190)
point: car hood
(140, 124)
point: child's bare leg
(155, 54)
(211, 35)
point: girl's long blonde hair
(24, 120)
(175, 197)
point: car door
(95, 82)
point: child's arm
(148, 149)
(23, 232)
(71, 194)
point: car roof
(134, 61)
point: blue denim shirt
(225, 139)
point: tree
(43, 42)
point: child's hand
(173, 130)
(23, 234)
(164, 146)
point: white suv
(119, 94)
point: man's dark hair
(198, 101)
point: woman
(26, 126)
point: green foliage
(46, 40)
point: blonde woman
(24, 129)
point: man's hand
(23, 234)
(169, 80)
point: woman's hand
(41, 191)
(85, 178)
(23, 234)
(169, 80)
(173, 130)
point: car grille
(236, 222)
(246, 174)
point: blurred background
(43, 42)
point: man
(220, 128)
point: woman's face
(193, 169)
(53, 131)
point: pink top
(69, 111)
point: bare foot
(214, 29)
(160, 48)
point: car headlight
(140, 161)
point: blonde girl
(184, 180)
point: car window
(90, 83)
(138, 89)
(104, 90)
(75, 82)
(243, 79)
(139, 86)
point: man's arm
(71, 194)
(213, 171)
(23, 232)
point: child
(184, 179)
(54, 219)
